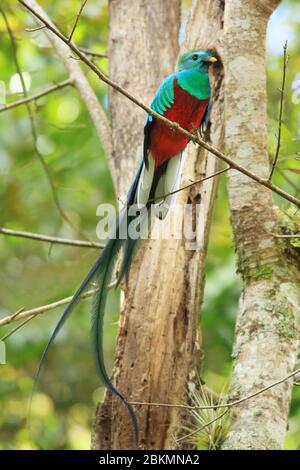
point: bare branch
(183, 438)
(43, 309)
(222, 405)
(285, 61)
(18, 327)
(282, 235)
(191, 184)
(230, 405)
(33, 312)
(37, 96)
(17, 313)
(46, 238)
(173, 125)
(100, 55)
(77, 19)
(33, 30)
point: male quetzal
(183, 97)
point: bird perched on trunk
(183, 98)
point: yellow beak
(212, 59)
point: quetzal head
(196, 60)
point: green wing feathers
(164, 97)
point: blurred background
(34, 273)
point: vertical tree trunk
(157, 347)
(143, 47)
(267, 328)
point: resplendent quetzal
(183, 97)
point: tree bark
(267, 327)
(143, 47)
(158, 349)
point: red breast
(188, 111)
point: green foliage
(211, 424)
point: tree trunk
(158, 351)
(267, 328)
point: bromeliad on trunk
(184, 98)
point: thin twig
(18, 327)
(196, 431)
(173, 125)
(282, 235)
(222, 405)
(49, 239)
(20, 314)
(33, 30)
(38, 95)
(17, 313)
(32, 124)
(285, 61)
(262, 390)
(100, 55)
(44, 308)
(217, 173)
(235, 403)
(76, 21)
(191, 184)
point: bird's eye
(194, 57)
